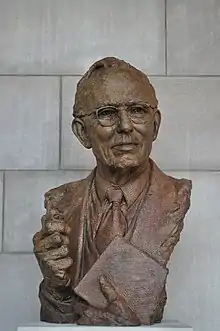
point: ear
(157, 121)
(79, 129)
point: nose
(124, 123)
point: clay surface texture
(105, 240)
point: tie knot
(115, 195)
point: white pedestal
(163, 326)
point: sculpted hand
(116, 313)
(51, 251)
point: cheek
(100, 136)
(145, 132)
(104, 134)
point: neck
(120, 176)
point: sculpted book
(117, 263)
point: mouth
(125, 146)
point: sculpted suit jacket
(156, 232)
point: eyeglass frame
(95, 112)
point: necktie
(113, 222)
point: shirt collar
(131, 189)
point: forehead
(120, 87)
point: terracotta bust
(106, 240)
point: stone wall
(45, 45)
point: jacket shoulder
(65, 195)
(180, 193)
(182, 185)
(57, 193)
(173, 190)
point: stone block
(73, 154)
(19, 279)
(29, 122)
(193, 281)
(1, 208)
(193, 41)
(189, 137)
(24, 204)
(65, 37)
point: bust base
(163, 326)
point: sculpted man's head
(115, 113)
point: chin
(123, 162)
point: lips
(125, 143)
(125, 146)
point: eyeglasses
(109, 115)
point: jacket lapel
(76, 218)
(160, 215)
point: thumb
(107, 289)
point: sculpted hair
(87, 84)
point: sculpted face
(120, 126)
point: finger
(53, 241)
(43, 220)
(63, 277)
(61, 264)
(107, 289)
(130, 321)
(55, 254)
(50, 227)
(92, 316)
(60, 278)
(122, 311)
(37, 238)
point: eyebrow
(117, 104)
